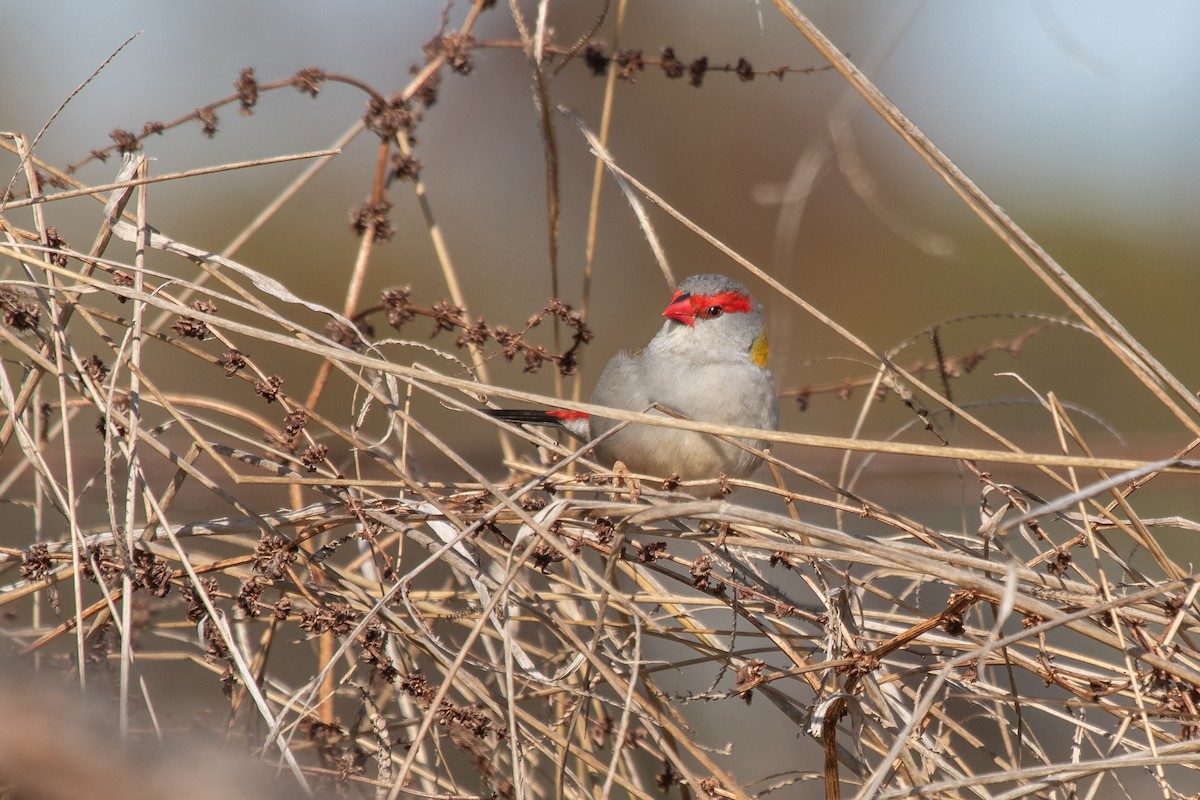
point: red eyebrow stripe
(730, 302)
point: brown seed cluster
(55, 243)
(399, 308)
(308, 80)
(313, 456)
(387, 117)
(190, 327)
(120, 404)
(269, 389)
(631, 63)
(233, 361)
(372, 217)
(348, 337)
(273, 556)
(19, 313)
(247, 88)
(95, 369)
(456, 47)
(337, 618)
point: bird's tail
(574, 422)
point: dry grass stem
(297, 509)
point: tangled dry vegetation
(569, 631)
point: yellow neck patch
(759, 350)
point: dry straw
(565, 632)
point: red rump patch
(566, 416)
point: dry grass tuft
(569, 631)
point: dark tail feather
(574, 422)
(524, 416)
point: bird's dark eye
(712, 312)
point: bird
(707, 363)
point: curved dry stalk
(570, 627)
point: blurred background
(1077, 117)
(1071, 115)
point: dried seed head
(372, 217)
(247, 87)
(208, 121)
(233, 362)
(126, 141)
(398, 306)
(671, 66)
(308, 80)
(269, 389)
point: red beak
(681, 309)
